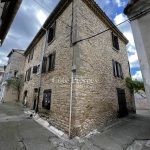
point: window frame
(115, 42)
(48, 106)
(53, 27)
(51, 63)
(30, 57)
(118, 71)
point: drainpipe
(73, 70)
(40, 80)
(70, 104)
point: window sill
(51, 42)
(119, 78)
(115, 49)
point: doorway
(123, 111)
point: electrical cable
(50, 12)
(132, 18)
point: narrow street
(18, 131)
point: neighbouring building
(8, 11)
(141, 100)
(1, 77)
(14, 67)
(83, 78)
(138, 12)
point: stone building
(138, 13)
(83, 78)
(1, 76)
(14, 67)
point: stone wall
(33, 83)
(17, 63)
(95, 91)
(95, 99)
(57, 80)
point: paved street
(20, 132)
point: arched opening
(25, 98)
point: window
(36, 69)
(44, 64)
(115, 41)
(51, 34)
(46, 99)
(28, 75)
(31, 55)
(51, 61)
(10, 58)
(15, 73)
(117, 67)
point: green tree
(16, 83)
(134, 85)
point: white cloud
(133, 59)
(120, 3)
(138, 76)
(41, 17)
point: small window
(117, 67)
(46, 99)
(52, 61)
(36, 69)
(44, 63)
(15, 73)
(51, 34)
(115, 41)
(28, 75)
(31, 55)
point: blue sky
(31, 16)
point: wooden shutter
(50, 62)
(121, 71)
(44, 64)
(116, 42)
(114, 68)
(29, 74)
(113, 41)
(35, 69)
(53, 60)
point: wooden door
(123, 111)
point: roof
(9, 12)
(129, 5)
(61, 6)
(16, 50)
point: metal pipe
(40, 81)
(70, 104)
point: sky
(31, 17)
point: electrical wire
(132, 18)
(50, 12)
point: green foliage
(134, 85)
(16, 83)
